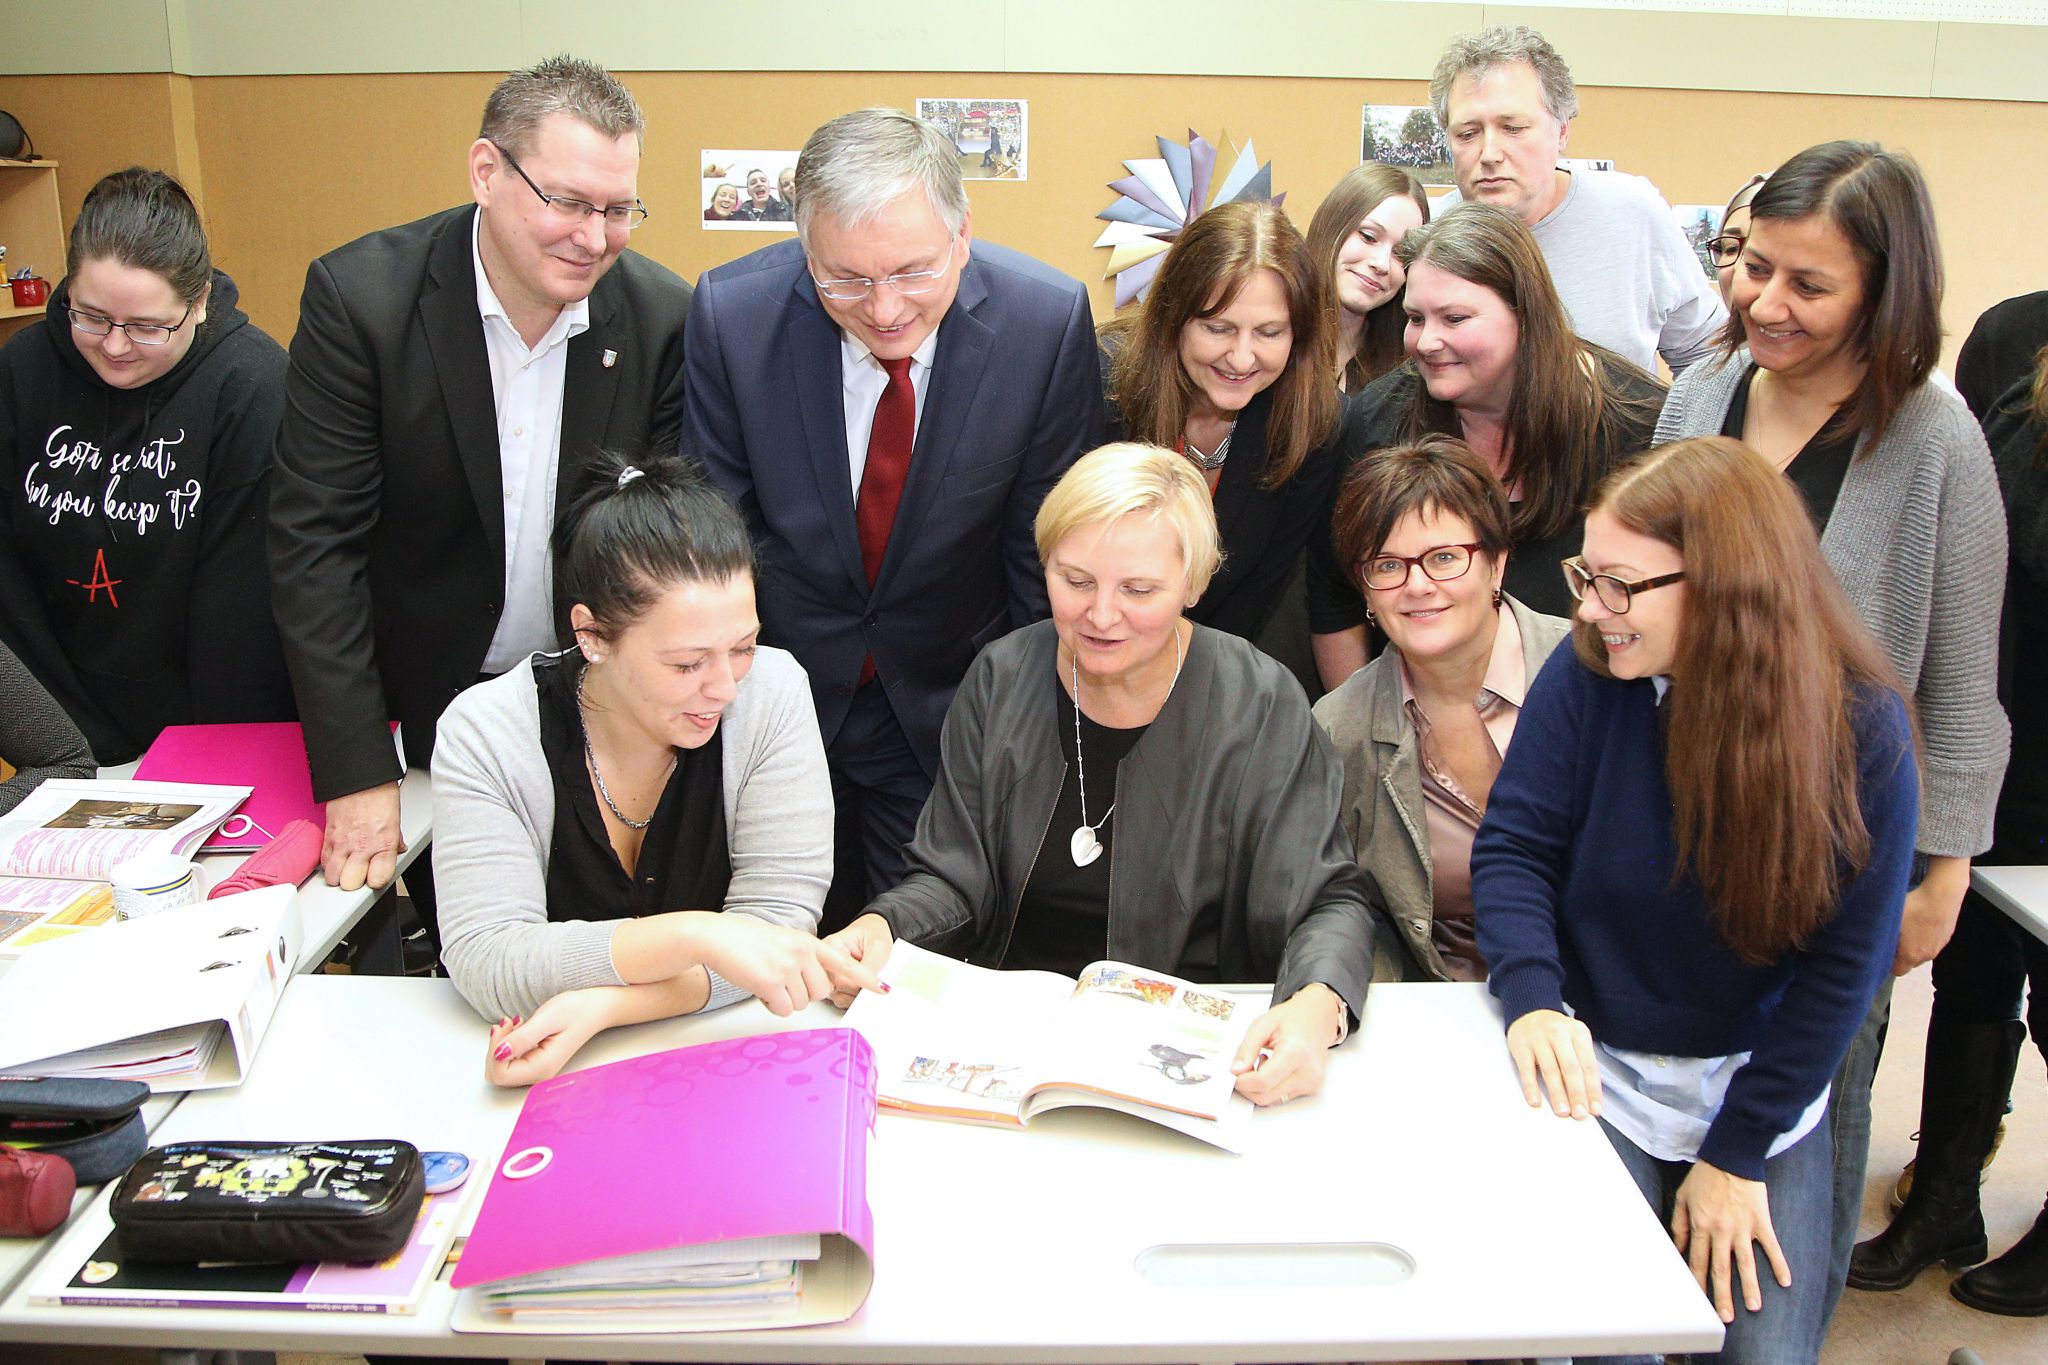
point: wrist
(1323, 1004)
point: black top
(1063, 915)
(684, 861)
(1380, 418)
(1816, 471)
(2000, 350)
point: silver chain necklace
(590, 755)
(1215, 459)
(1083, 844)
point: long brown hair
(1363, 189)
(1879, 202)
(1567, 405)
(2037, 403)
(1771, 662)
(1204, 271)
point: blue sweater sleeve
(1522, 852)
(1836, 974)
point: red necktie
(881, 478)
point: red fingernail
(517, 1020)
(883, 988)
(504, 1052)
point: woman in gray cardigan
(1119, 782)
(1834, 328)
(597, 810)
(1422, 728)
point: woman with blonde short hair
(1120, 782)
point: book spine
(279, 1304)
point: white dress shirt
(526, 387)
(862, 381)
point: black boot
(1968, 1076)
(2016, 1284)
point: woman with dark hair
(1229, 361)
(1422, 728)
(137, 418)
(1834, 328)
(596, 810)
(1974, 1032)
(1355, 234)
(1726, 248)
(1688, 883)
(1492, 360)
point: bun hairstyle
(636, 528)
(143, 219)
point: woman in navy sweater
(1689, 880)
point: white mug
(153, 882)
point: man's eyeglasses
(1440, 563)
(1725, 250)
(627, 216)
(1616, 594)
(910, 282)
(141, 333)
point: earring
(1496, 598)
(1371, 619)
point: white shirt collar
(1662, 682)
(571, 320)
(854, 352)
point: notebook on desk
(709, 1188)
(267, 756)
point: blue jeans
(1789, 1328)
(1848, 1120)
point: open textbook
(58, 847)
(963, 1042)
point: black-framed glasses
(1440, 563)
(141, 333)
(909, 282)
(1725, 250)
(1615, 594)
(627, 216)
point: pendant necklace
(1212, 461)
(1083, 844)
(590, 754)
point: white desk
(1526, 1235)
(2022, 892)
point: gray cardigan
(494, 820)
(1383, 812)
(1917, 540)
(1226, 813)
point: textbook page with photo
(961, 1042)
(58, 847)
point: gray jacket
(1917, 541)
(1227, 843)
(1383, 812)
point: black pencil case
(94, 1124)
(270, 1201)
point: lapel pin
(611, 358)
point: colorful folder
(268, 756)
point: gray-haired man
(889, 400)
(1624, 270)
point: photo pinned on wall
(1585, 163)
(748, 191)
(1406, 135)
(993, 136)
(1701, 223)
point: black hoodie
(133, 579)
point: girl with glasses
(136, 422)
(1827, 369)
(1689, 880)
(1493, 361)
(1422, 728)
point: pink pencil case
(286, 860)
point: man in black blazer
(886, 587)
(446, 379)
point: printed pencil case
(94, 1124)
(270, 1201)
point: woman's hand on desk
(525, 1051)
(1557, 1050)
(1714, 1219)
(865, 943)
(1281, 1057)
(782, 968)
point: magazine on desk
(107, 1279)
(961, 1042)
(58, 847)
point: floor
(1917, 1326)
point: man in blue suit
(888, 400)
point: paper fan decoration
(1162, 195)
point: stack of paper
(722, 1280)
